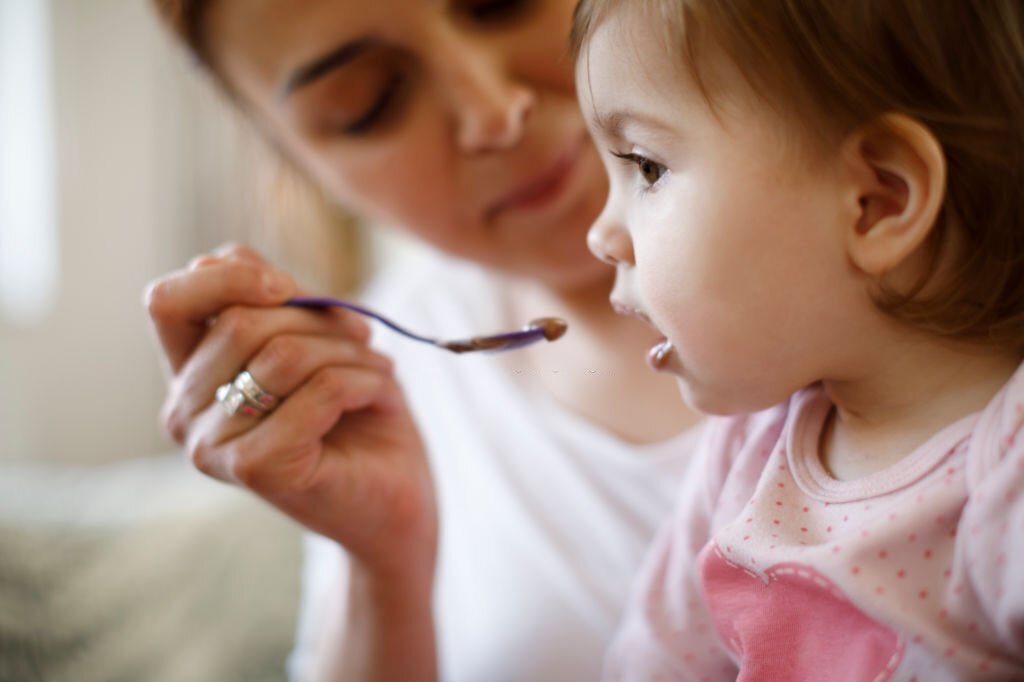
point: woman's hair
(956, 66)
(185, 19)
(313, 233)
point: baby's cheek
(721, 373)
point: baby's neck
(898, 402)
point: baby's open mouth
(658, 355)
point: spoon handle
(320, 302)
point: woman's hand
(340, 453)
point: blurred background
(119, 162)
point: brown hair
(185, 19)
(956, 66)
(311, 231)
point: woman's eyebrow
(319, 67)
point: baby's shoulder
(996, 447)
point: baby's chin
(723, 402)
(713, 389)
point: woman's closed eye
(369, 91)
(495, 11)
(485, 12)
(650, 171)
(378, 111)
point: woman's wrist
(390, 625)
(406, 585)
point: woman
(507, 556)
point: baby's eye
(650, 171)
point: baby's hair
(956, 66)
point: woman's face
(455, 119)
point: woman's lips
(544, 187)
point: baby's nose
(609, 240)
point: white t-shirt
(544, 516)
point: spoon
(548, 328)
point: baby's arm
(667, 631)
(993, 543)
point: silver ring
(255, 393)
(245, 395)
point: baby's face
(726, 233)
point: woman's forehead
(280, 25)
(291, 23)
(261, 44)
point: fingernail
(277, 284)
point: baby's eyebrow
(614, 123)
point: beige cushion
(141, 570)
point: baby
(820, 204)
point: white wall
(141, 188)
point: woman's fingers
(181, 304)
(288, 361)
(281, 452)
(286, 345)
(228, 252)
(236, 251)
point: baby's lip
(660, 354)
(623, 308)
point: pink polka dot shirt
(773, 570)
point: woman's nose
(609, 240)
(496, 120)
(491, 108)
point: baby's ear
(899, 179)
